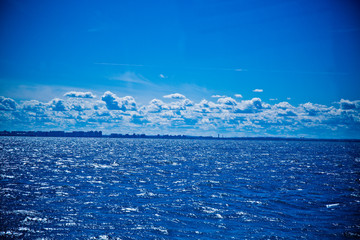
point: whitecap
(214, 182)
(70, 224)
(101, 165)
(253, 201)
(209, 209)
(26, 229)
(332, 205)
(25, 212)
(146, 194)
(103, 237)
(35, 219)
(218, 215)
(161, 229)
(241, 213)
(6, 176)
(10, 233)
(62, 194)
(129, 209)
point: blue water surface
(99, 188)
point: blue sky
(296, 52)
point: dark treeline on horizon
(52, 133)
(98, 134)
(90, 134)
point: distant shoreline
(98, 134)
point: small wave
(6, 176)
(35, 219)
(95, 165)
(70, 224)
(332, 205)
(209, 210)
(146, 194)
(26, 229)
(10, 234)
(26, 212)
(101, 237)
(254, 202)
(161, 229)
(129, 209)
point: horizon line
(98, 134)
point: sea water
(101, 188)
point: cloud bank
(180, 115)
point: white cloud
(314, 109)
(115, 103)
(162, 76)
(34, 106)
(57, 105)
(258, 90)
(250, 106)
(228, 101)
(155, 106)
(79, 94)
(238, 96)
(7, 104)
(122, 114)
(218, 96)
(175, 96)
(349, 105)
(284, 105)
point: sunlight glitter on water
(143, 188)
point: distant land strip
(98, 134)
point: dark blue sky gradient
(305, 50)
(68, 65)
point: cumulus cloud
(175, 96)
(34, 106)
(228, 101)
(115, 103)
(258, 90)
(314, 109)
(256, 102)
(57, 105)
(284, 105)
(7, 104)
(250, 106)
(238, 96)
(155, 105)
(187, 103)
(349, 105)
(79, 94)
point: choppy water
(66, 188)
